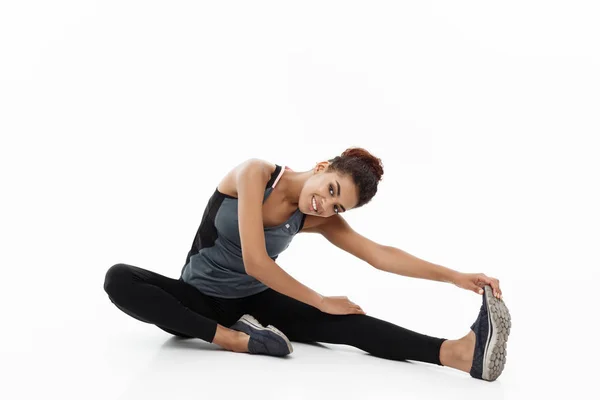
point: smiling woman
(230, 280)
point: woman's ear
(321, 165)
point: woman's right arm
(276, 278)
(272, 275)
(251, 178)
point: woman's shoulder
(228, 185)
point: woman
(230, 280)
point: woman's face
(331, 191)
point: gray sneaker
(491, 328)
(269, 340)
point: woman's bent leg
(304, 323)
(171, 304)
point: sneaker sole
(250, 320)
(495, 350)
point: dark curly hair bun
(366, 157)
(366, 171)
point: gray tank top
(214, 264)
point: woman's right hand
(339, 305)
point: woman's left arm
(402, 263)
(387, 258)
(396, 261)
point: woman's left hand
(476, 282)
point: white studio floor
(105, 354)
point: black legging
(182, 310)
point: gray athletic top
(214, 264)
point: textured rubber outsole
(250, 320)
(495, 350)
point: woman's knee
(115, 277)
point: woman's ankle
(458, 353)
(231, 339)
(447, 352)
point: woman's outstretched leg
(304, 323)
(172, 305)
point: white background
(119, 118)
